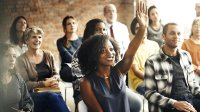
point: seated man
(169, 78)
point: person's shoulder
(155, 57)
(84, 82)
(47, 52)
(61, 39)
(19, 77)
(22, 56)
(186, 41)
(79, 40)
(119, 23)
(183, 52)
(152, 42)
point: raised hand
(141, 14)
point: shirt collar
(164, 56)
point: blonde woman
(38, 70)
(192, 45)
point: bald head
(110, 13)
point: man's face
(172, 37)
(110, 13)
(197, 8)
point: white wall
(179, 11)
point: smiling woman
(38, 70)
(103, 88)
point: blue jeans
(140, 89)
(49, 102)
(187, 97)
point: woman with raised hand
(17, 30)
(103, 88)
(38, 70)
(13, 90)
(93, 26)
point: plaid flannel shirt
(158, 79)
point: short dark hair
(13, 32)
(165, 28)
(90, 50)
(65, 20)
(90, 28)
(133, 25)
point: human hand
(141, 14)
(51, 82)
(184, 106)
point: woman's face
(9, 58)
(196, 29)
(21, 25)
(71, 26)
(107, 56)
(100, 28)
(154, 16)
(35, 41)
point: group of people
(97, 64)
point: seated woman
(13, 90)
(17, 30)
(192, 45)
(103, 88)
(155, 27)
(38, 70)
(67, 45)
(93, 26)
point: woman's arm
(26, 103)
(24, 68)
(52, 64)
(65, 55)
(89, 97)
(142, 18)
(139, 73)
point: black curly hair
(90, 28)
(90, 51)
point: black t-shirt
(179, 86)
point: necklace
(106, 76)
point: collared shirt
(158, 79)
(20, 50)
(121, 35)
